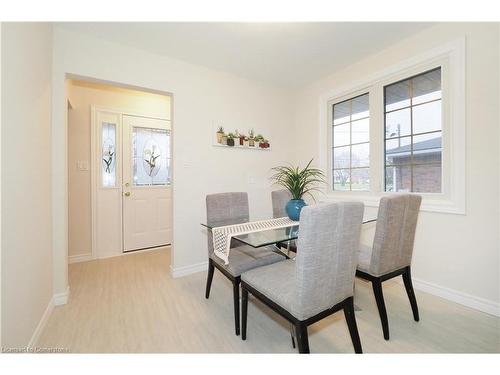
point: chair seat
(364, 258)
(244, 258)
(276, 282)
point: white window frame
(348, 97)
(451, 59)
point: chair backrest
(395, 233)
(327, 256)
(231, 208)
(280, 198)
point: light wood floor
(132, 304)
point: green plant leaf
(298, 181)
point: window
(413, 140)
(416, 131)
(351, 144)
(108, 154)
(151, 156)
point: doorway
(119, 170)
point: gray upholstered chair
(320, 281)
(232, 208)
(279, 199)
(392, 249)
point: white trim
(41, 324)
(80, 258)
(476, 303)
(89, 257)
(61, 298)
(454, 199)
(188, 270)
(93, 182)
(498, 122)
(1, 127)
(132, 252)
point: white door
(147, 192)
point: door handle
(127, 194)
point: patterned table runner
(222, 235)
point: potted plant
(230, 139)
(298, 182)
(259, 138)
(237, 137)
(242, 139)
(264, 144)
(220, 134)
(251, 139)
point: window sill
(430, 202)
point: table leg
(293, 334)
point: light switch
(82, 165)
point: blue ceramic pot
(293, 208)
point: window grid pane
(351, 144)
(413, 156)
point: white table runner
(222, 235)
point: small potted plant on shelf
(298, 182)
(220, 134)
(242, 139)
(251, 139)
(258, 139)
(236, 138)
(230, 139)
(264, 144)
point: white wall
(26, 181)
(455, 255)
(200, 96)
(82, 96)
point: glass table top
(269, 236)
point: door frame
(95, 167)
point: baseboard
(80, 258)
(114, 255)
(61, 298)
(188, 270)
(477, 303)
(41, 324)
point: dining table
(276, 236)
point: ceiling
(285, 54)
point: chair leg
(210, 277)
(302, 339)
(236, 301)
(411, 293)
(351, 323)
(244, 313)
(292, 334)
(379, 297)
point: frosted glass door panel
(108, 154)
(151, 156)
